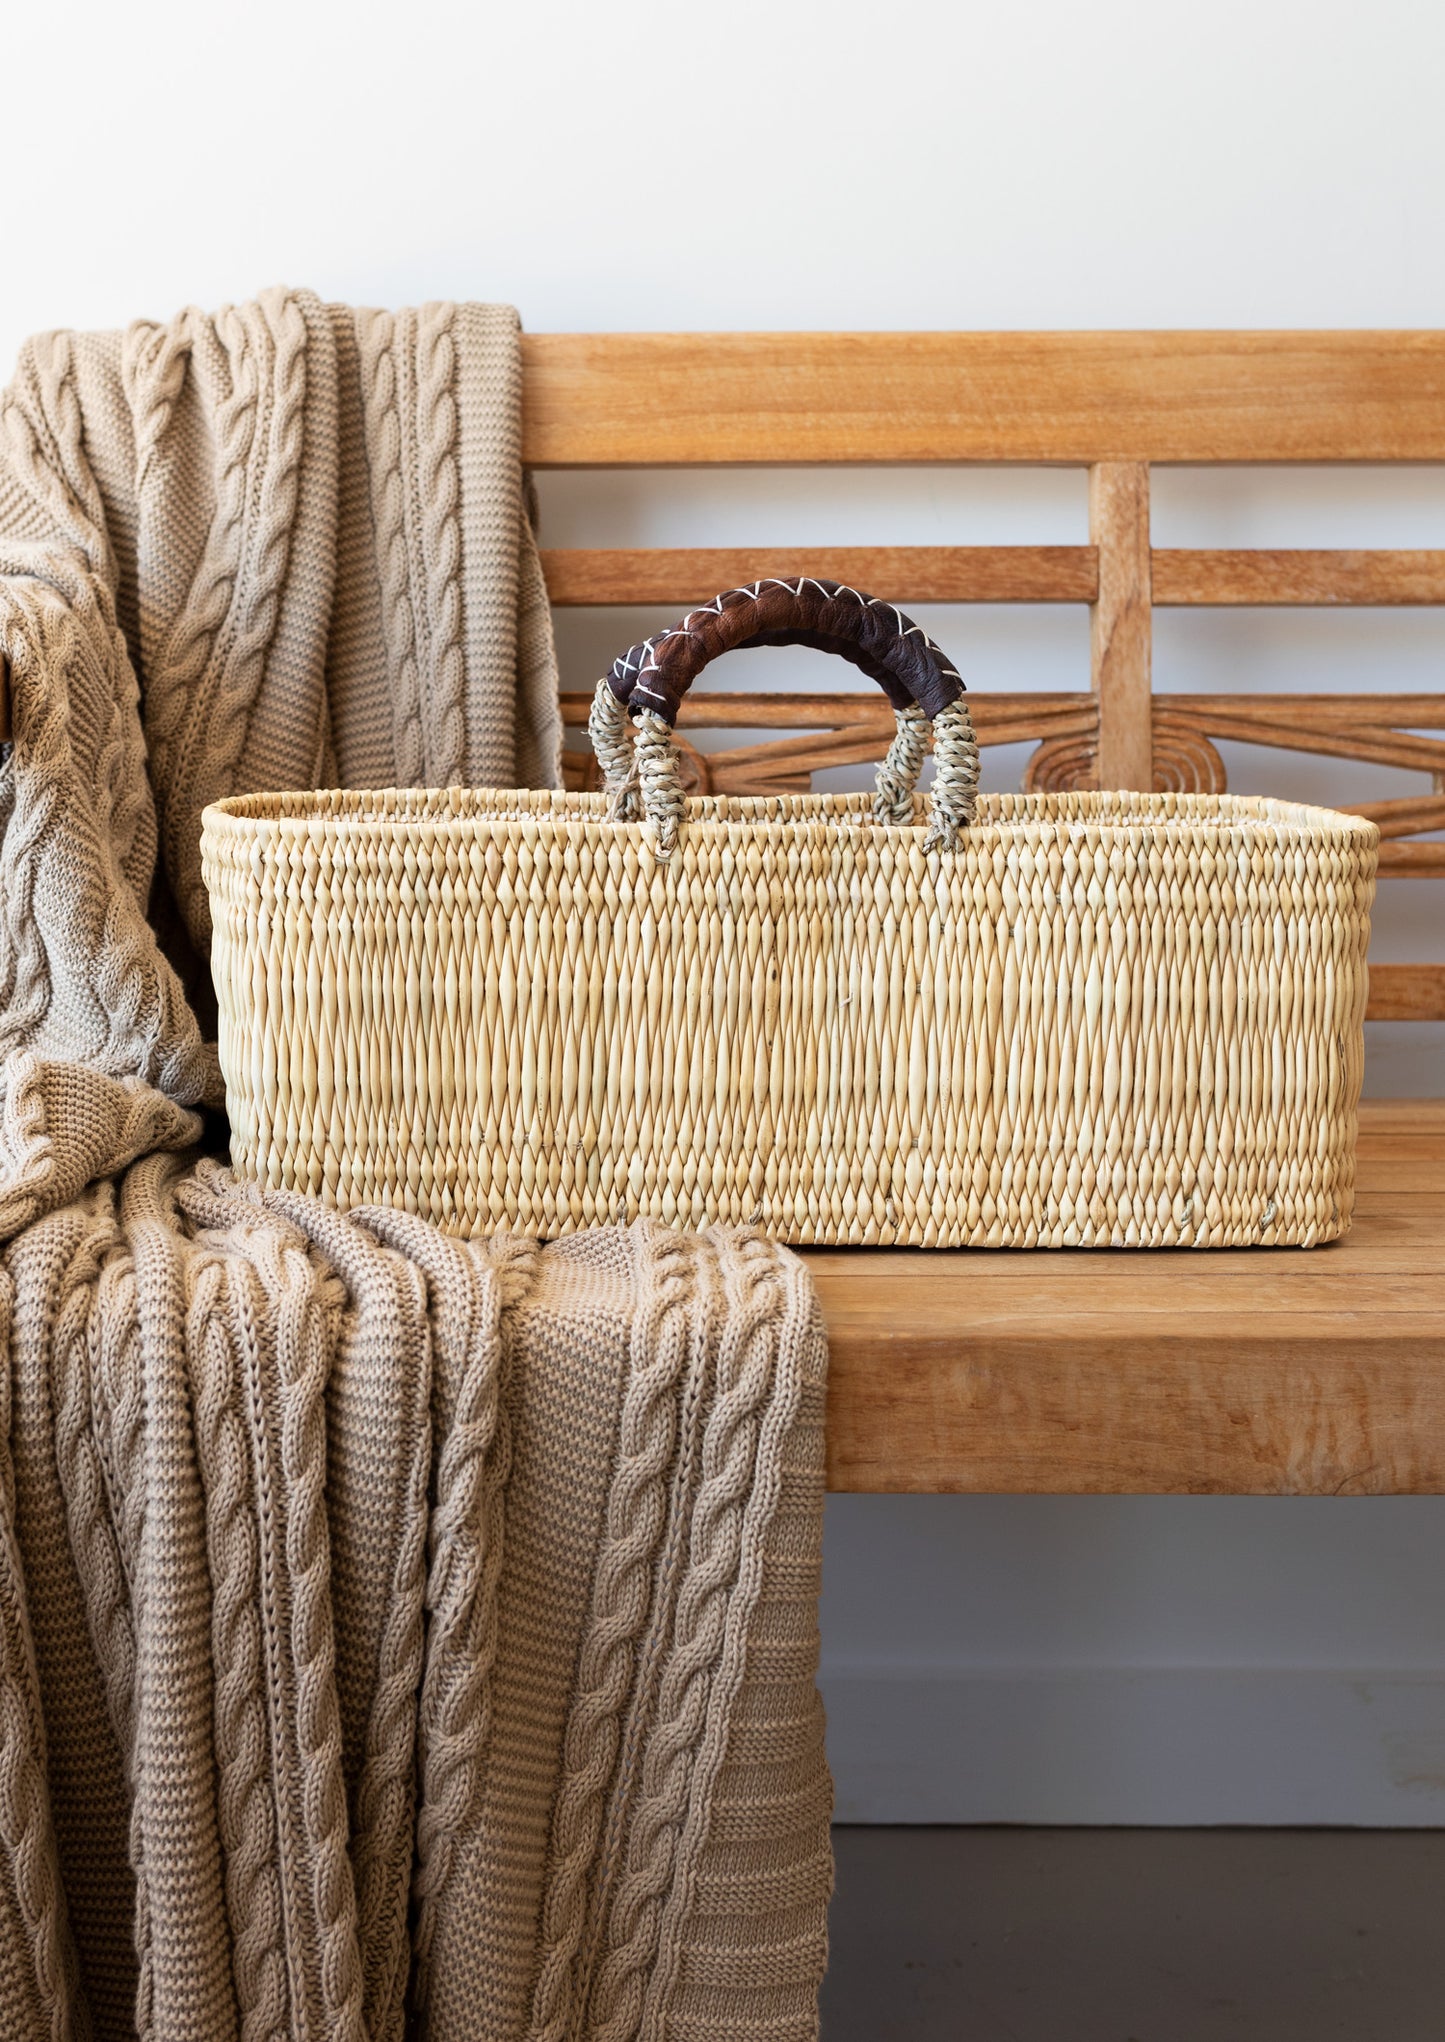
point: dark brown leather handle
(889, 647)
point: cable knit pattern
(45, 434)
(217, 444)
(303, 1360)
(390, 1406)
(154, 363)
(400, 1636)
(760, 1381)
(704, 1619)
(181, 660)
(83, 979)
(380, 368)
(439, 489)
(224, 1311)
(204, 692)
(174, 1750)
(119, 1406)
(103, 1573)
(499, 1752)
(469, 1287)
(31, 1867)
(635, 1523)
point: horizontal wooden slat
(1272, 1371)
(1182, 578)
(684, 399)
(1323, 712)
(756, 768)
(1266, 577)
(998, 718)
(1408, 818)
(899, 574)
(1277, 714)
(1412, 861)
(1408, 992)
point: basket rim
(343, 813)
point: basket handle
(649, 681)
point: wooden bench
(1274, 1371)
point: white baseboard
(1176, 1746)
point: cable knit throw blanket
(398, 1635)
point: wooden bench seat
(1273, 1371)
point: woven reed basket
(1041, 1020)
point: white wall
(1130, 162)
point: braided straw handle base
(644, 779)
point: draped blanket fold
(398, 1634)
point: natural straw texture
(1102, 1019)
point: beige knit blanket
(397, 1634)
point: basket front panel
(1054, 1038)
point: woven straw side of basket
(1103, 1019)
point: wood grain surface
(1270, 577)
(680, 576)
(603, 577)
(1408, 992)
(1412, 861)
(1000, 718)
(1266, 1372)
(1120, 624)
(683, 399)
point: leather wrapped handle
(639, 757)
(874, 636)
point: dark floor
(1137, 1935)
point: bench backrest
(1114, 403)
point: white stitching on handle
(645, 774)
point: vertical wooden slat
(1122, 622)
